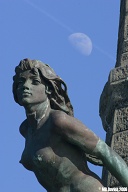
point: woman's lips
(26, 93)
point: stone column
(114, 99)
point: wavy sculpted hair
(57, 89)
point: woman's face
(31, 88)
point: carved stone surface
(118, 74)
(120, 143)
(108, 179)
(125, 46)
(124, 59)
(120, 120)
(112, 181)
(126, 28)
(114, 114)
(122, 35)
(114, 99)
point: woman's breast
(33, 143)
(26, 157)
(58, 170)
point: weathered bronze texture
(57, 143)
(114, 99)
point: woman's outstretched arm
(114, 163)
(78, 134)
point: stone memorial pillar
(114, 99)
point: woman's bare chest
(40, 142)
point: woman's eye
(36, 81)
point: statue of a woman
(56, 142)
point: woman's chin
(25, 101)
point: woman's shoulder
(59, 117)
(63, 120)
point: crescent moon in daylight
(81, 42)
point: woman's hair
(57, 89)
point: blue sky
(40, 29)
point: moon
(81, 42)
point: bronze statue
(58, 145)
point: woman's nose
(26, 84)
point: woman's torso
(54, 161)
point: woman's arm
(78, 134)
(74, 131)
(114, 163)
